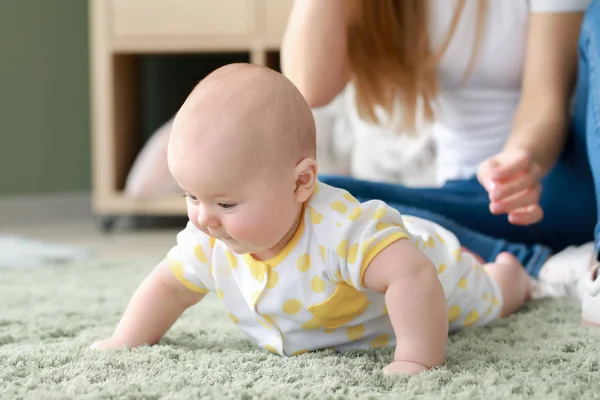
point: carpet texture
(49, 316)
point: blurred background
(88, 90)
(46, 181)
(44, 76)
(55, 200)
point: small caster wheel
(107, 223)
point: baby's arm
(157, 303)
(416, 305)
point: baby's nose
(207, 220)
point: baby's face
(242, 149)
(250, 208)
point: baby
(298, 264)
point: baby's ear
(306, 178)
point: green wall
(44, 112)
(44, 94)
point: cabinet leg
(107, 223)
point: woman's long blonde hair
(391, 58)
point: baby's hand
(404, 368)
(106, 344)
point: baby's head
(243, 148)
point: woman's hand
(513, 181)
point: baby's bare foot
(507, 258)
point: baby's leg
(516, 286)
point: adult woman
(505, 70)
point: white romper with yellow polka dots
(311, 296)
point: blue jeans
(586, 116)
(569, 191)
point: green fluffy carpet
(49, 316)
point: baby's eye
(226, 206)
(190, 196)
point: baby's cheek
(245, 229)
(251, 229)
(193, 216)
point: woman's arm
(314, 51)
(540, 124)
(513, 177)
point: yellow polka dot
(454, 313)
(316, 188)
(341, 249)
(352, 252)
(457, 254)
(476, 266)
(489, 310)
(297, 353)
(441, 239)
(338, 224)
(263, 323)
(220, 294)
(471, 318)
(231, 259)
(317, 284)
(268, 319)
(272, 349)
(258, 271)
(199, 253)
(355, 332)
(292, 306)
(485, 296)
(273, 279)
(366, 246)
(315, 217)
(380, 341)
(323, 253)
(495, 301)
(381, 226)
(355, 214)
(254, 297)
(462, 283)
(304, 262)
(234, 318)
(350, 198)
(339, 207)
(442, 268)
(430, 242)
(327, 330)
(385, 311)
(211, 242)
(380, 213)
(339, 277)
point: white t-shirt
(473, 120)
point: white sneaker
(562, 274)
(590, 299)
